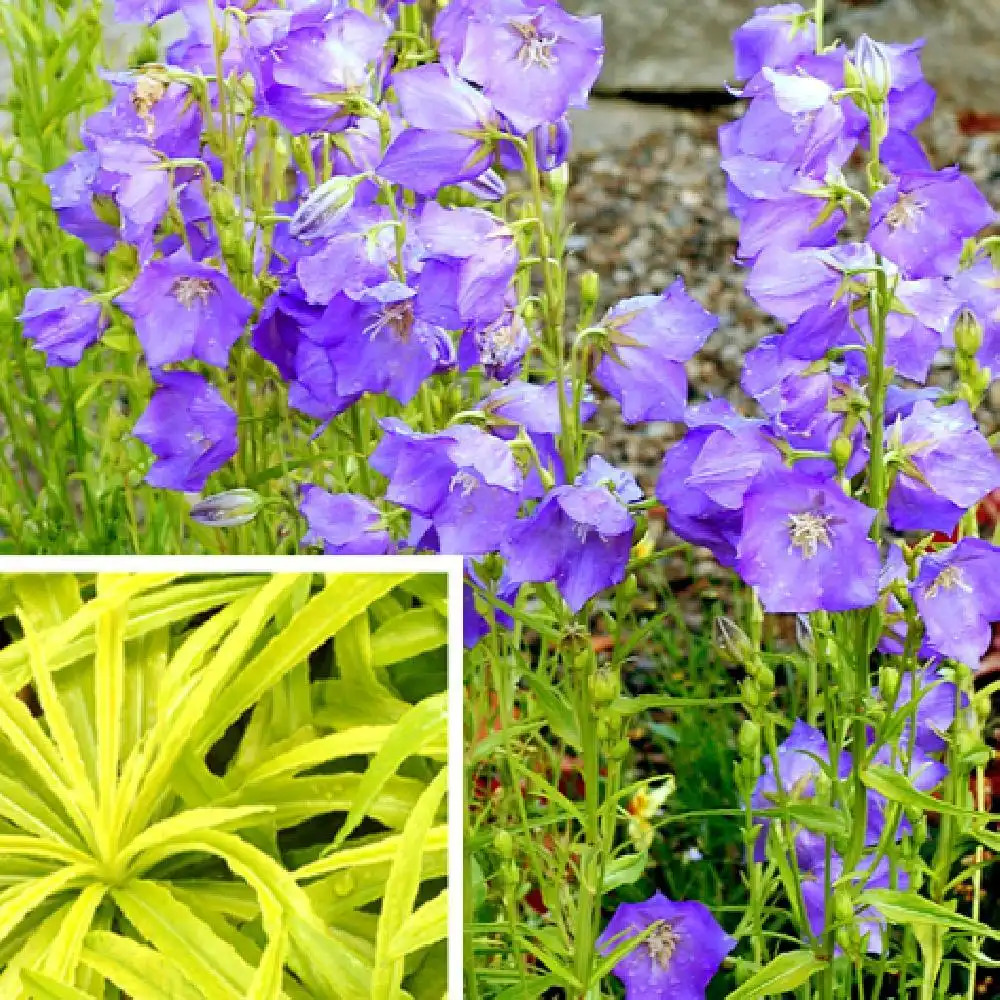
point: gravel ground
(648, 203)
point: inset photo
(224, 785)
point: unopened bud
(841, 451)
(732, 640)
(559, 180)
(968, 334)
(323, 207)
(765, 678)
(749, 739)
(227, 510)
(873, 64)
(888, 685)
(843, 906)
(604, 686)
(503, 842)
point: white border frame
(450, 565)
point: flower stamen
(808, 531)
(907, 213)
(948, 579)
(536, 48)
(188, 290)
(662, 944)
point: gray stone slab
(683, 46)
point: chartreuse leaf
(19, 901)
(43, 987)
(185, 940)
(422, 722)
(138, 971)
(81, 801)
(782, 975)
(401, 889)
(74, 639)
(180, 720)
(344, 597)
(423, 927)
(109, 676)
(63, 957)
(407, 635)
(267, 979)
(374, 853)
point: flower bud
(227, 510)
(968, 334)
(604, 686)
(503, 842)
(620, 750)
(732, 640)
(559, 181)
(590, 292)
(843, 906)
(323, 207)
(765, 678)
(888, 684)
(873, 64)
(982, 705)
(749, 739)
(804, 635)
(841, 451)
(750, 693)
(553, 141)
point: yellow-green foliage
(223, 788)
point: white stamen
(463, 480)
(536, 49)
(808, 531)
(907, 213)
(187, 290)
(662, 944)
(398, 318)
(948, 579)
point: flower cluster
(798, 500)
(317, 196)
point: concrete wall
(684, 45)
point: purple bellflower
(805, 545)
(921, 221)
(678, 959)
(448, 138)
(190, 429)
(650, 337)
(706, 475)
(463, 481)
(62, 322)
(344, 523)
(578, 537)
(532, 59)
(317, 56)
(777, 37)
(949, 466)
(957, 595)
(183, 309)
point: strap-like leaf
(422, 928)
(401, 889)
(138, 971)
(185, 940)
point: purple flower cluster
(792, 500)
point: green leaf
(401, 889)
(624, 870)
(140, 972)
(909, 908)
(554, 709)
(43, 987)
(421, 723)
(407, 635)
(783, 974)
(895, 786)
(422, 928)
